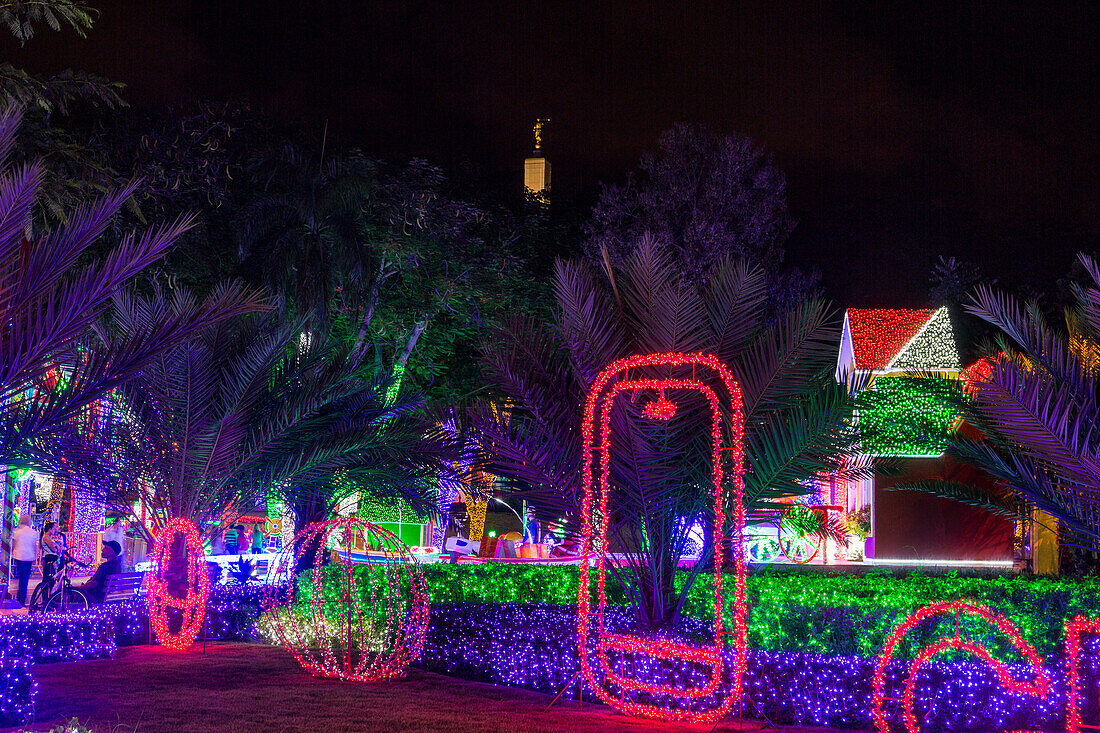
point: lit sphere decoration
(368, 622)
(164, 589)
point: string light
(374, 628)
(905, 416)
(1039, 686)
(879, 334)
(1075, 628)
(932, 348)
(601, 398)
(191, 608)
(534, 646)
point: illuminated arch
(1039, 686)
(613, 381)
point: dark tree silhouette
(703, 197)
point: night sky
(907, 130)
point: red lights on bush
(376, 625)
(179, 567)
(1039, 686)
(613, 381)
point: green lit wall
(906, 416)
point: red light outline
(1075, 627)
(1040, 687)
(192, 605)
(711, 656)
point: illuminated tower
(536, 169)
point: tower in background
(536, 169)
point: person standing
(231, 541)
(24, 550)
(50, 546)
(257, 540)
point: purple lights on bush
(534, 646)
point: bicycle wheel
(67, 599)
(800, 549)
(38, 600)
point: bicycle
(65, 597)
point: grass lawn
(235, 687)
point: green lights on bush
(806, 612)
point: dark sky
(907, 130)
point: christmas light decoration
(166, 577)
(534, 646)
(1038, 686)
(1075, 628)
(932, 348)
(905, 416)
(477, 509)
(375, 627)
(685, 702)
(18, 690)
(880, 334)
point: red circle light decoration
(615, 381)
(1039, 686)
(372, 624)
(192, 606)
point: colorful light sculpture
(168, 578)
(366, 627)
(1039, 686)
(692, 702)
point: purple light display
(535, 646)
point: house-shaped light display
(904, 415)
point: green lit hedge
(841, 613)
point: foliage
(1036, 412)
(703, 197)
(73, 726)
(381, 257)
(21, 16)
(796, 416)
(209, 426)
(48, 301)
(72, 167)
(859, 522)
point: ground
(234, 687)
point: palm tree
(796, 415)
(1034, 414)
(50, 296)
(208, 426)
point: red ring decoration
(192, 606)
(390, 608)
(597, 422)
(1039, 687)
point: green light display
(805, 612)
(906, 416)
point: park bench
(123, 586)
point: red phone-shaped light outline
(598, 408)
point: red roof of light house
(879, 334)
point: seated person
(96, 586)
